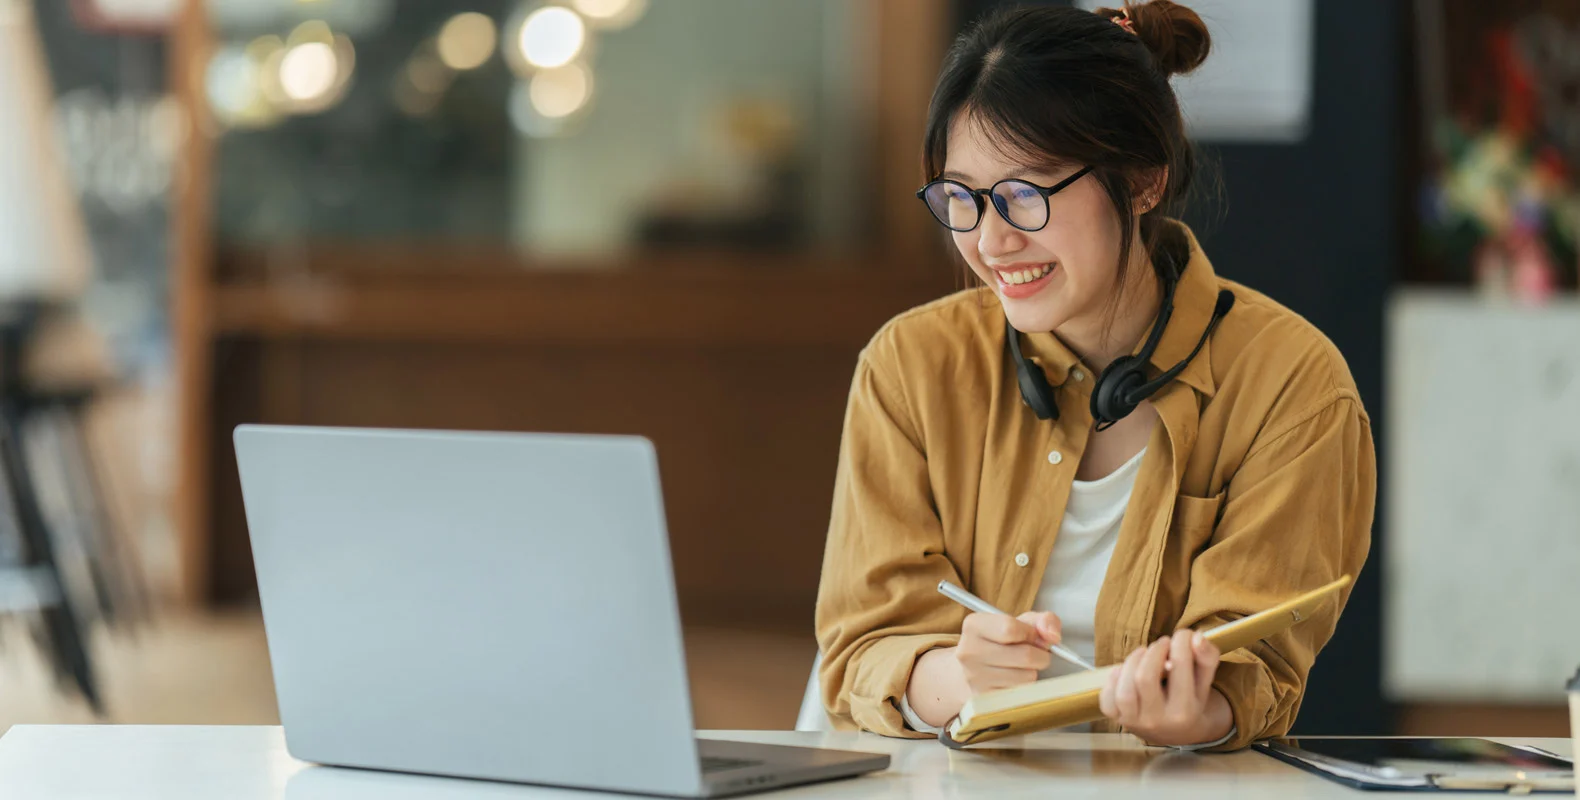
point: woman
(1225, 465)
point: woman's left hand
(1174, 707)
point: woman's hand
(994, 652)
(1178, 706)
(997, 652)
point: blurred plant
(1501, 207)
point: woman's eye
(958, 196)
(1025, 193)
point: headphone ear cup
(1111, 396)
(1035, 391)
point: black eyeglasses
(1023, 204)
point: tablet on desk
(1403, 763)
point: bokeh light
(308, 71)
(610, 14)
(467, 41)
(313, 30)
(557, 93)
(552, 37)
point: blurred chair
(37, 582)
(813, 717)
(66, 369)
(44, 265)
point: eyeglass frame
(979, 194)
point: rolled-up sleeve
(1298, 515)
(878, 608)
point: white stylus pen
(981, 606)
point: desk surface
(247, 763)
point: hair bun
(1175, 34)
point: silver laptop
(482, 605)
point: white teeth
(1027, 275)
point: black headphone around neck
(1123, 385)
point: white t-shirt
(1074, 575)
(1079, 560)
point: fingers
(1184, 701)
(975, 649)
(1206, 666)
(997, 652)
(1105, 698)
(1019, 656)
(998, 629)
(982, 676)
(1136, 696)
(1047, 625)
(1149, 679)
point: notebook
(1072, 699)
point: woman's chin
(1032, 320)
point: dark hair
(1058, 85)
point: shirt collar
(1195, 297)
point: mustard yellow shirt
(1258, 484)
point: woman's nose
(997, 238)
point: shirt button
(1078, 375)
(1055, 457)
(1021, 559)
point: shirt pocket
(1195, 520)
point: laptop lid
(472, 604)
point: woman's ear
(1149, 188)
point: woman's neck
(1099, 341)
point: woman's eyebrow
(1046, 167)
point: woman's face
(1047, 279)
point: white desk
(250, 763)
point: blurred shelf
(439, 259)
(731, 306)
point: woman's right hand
(997, 652)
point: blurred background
(683, 219)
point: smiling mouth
(1022, 276)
